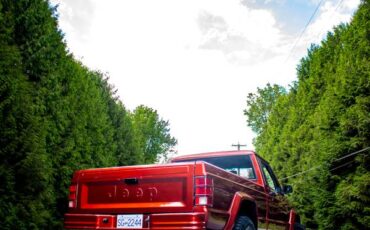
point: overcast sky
(195, 61)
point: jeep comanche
(221, 190)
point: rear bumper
(151, 221)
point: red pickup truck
(221, 190)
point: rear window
(240, 165)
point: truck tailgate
(136, 189)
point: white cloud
(194, 61)
(330, 14)
(245, 36)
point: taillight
(203, 191)
(72, 198)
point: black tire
(298, 226)
(244, 223)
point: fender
(233, 211)
(292, 217)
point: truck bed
(135, 189)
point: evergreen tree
(324, 117)
(57, 116)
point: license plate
(130, 221)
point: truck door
(278, 208)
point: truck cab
(258, 183)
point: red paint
(185, 194)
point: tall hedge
(57, 116)
(312, 129)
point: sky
(195, 61)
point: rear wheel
(298, 226)
(244, 223)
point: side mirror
(287, 189)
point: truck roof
(212, 154)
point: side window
(270, 177)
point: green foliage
(57, 116)
(324, 116)
(151, 135)
(260, 105)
